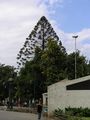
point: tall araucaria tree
(38, 37)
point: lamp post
(75, 37)
(10, 99)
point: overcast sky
(18, 18)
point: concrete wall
(59, 97)
(45, 99)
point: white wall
(59, 97)
(45, 97)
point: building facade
(69, 93)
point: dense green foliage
(53, 62)
(47, 67)
(81, 112)
(43, 70)
(64, 115)
(6, 72)
(72, 113)
(81, 65)
(50, 62)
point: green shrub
(71, 113)
(82, 112)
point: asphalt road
(6, 115)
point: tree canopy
(81, 65)
(50, 62)
(38, 37)
(48, 66)
(6, 72)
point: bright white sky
(18, 18)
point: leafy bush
(69, 114)
(83, 112)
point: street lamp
(75, 37)
(10, 91)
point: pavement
(9, 115)
(6, 115)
